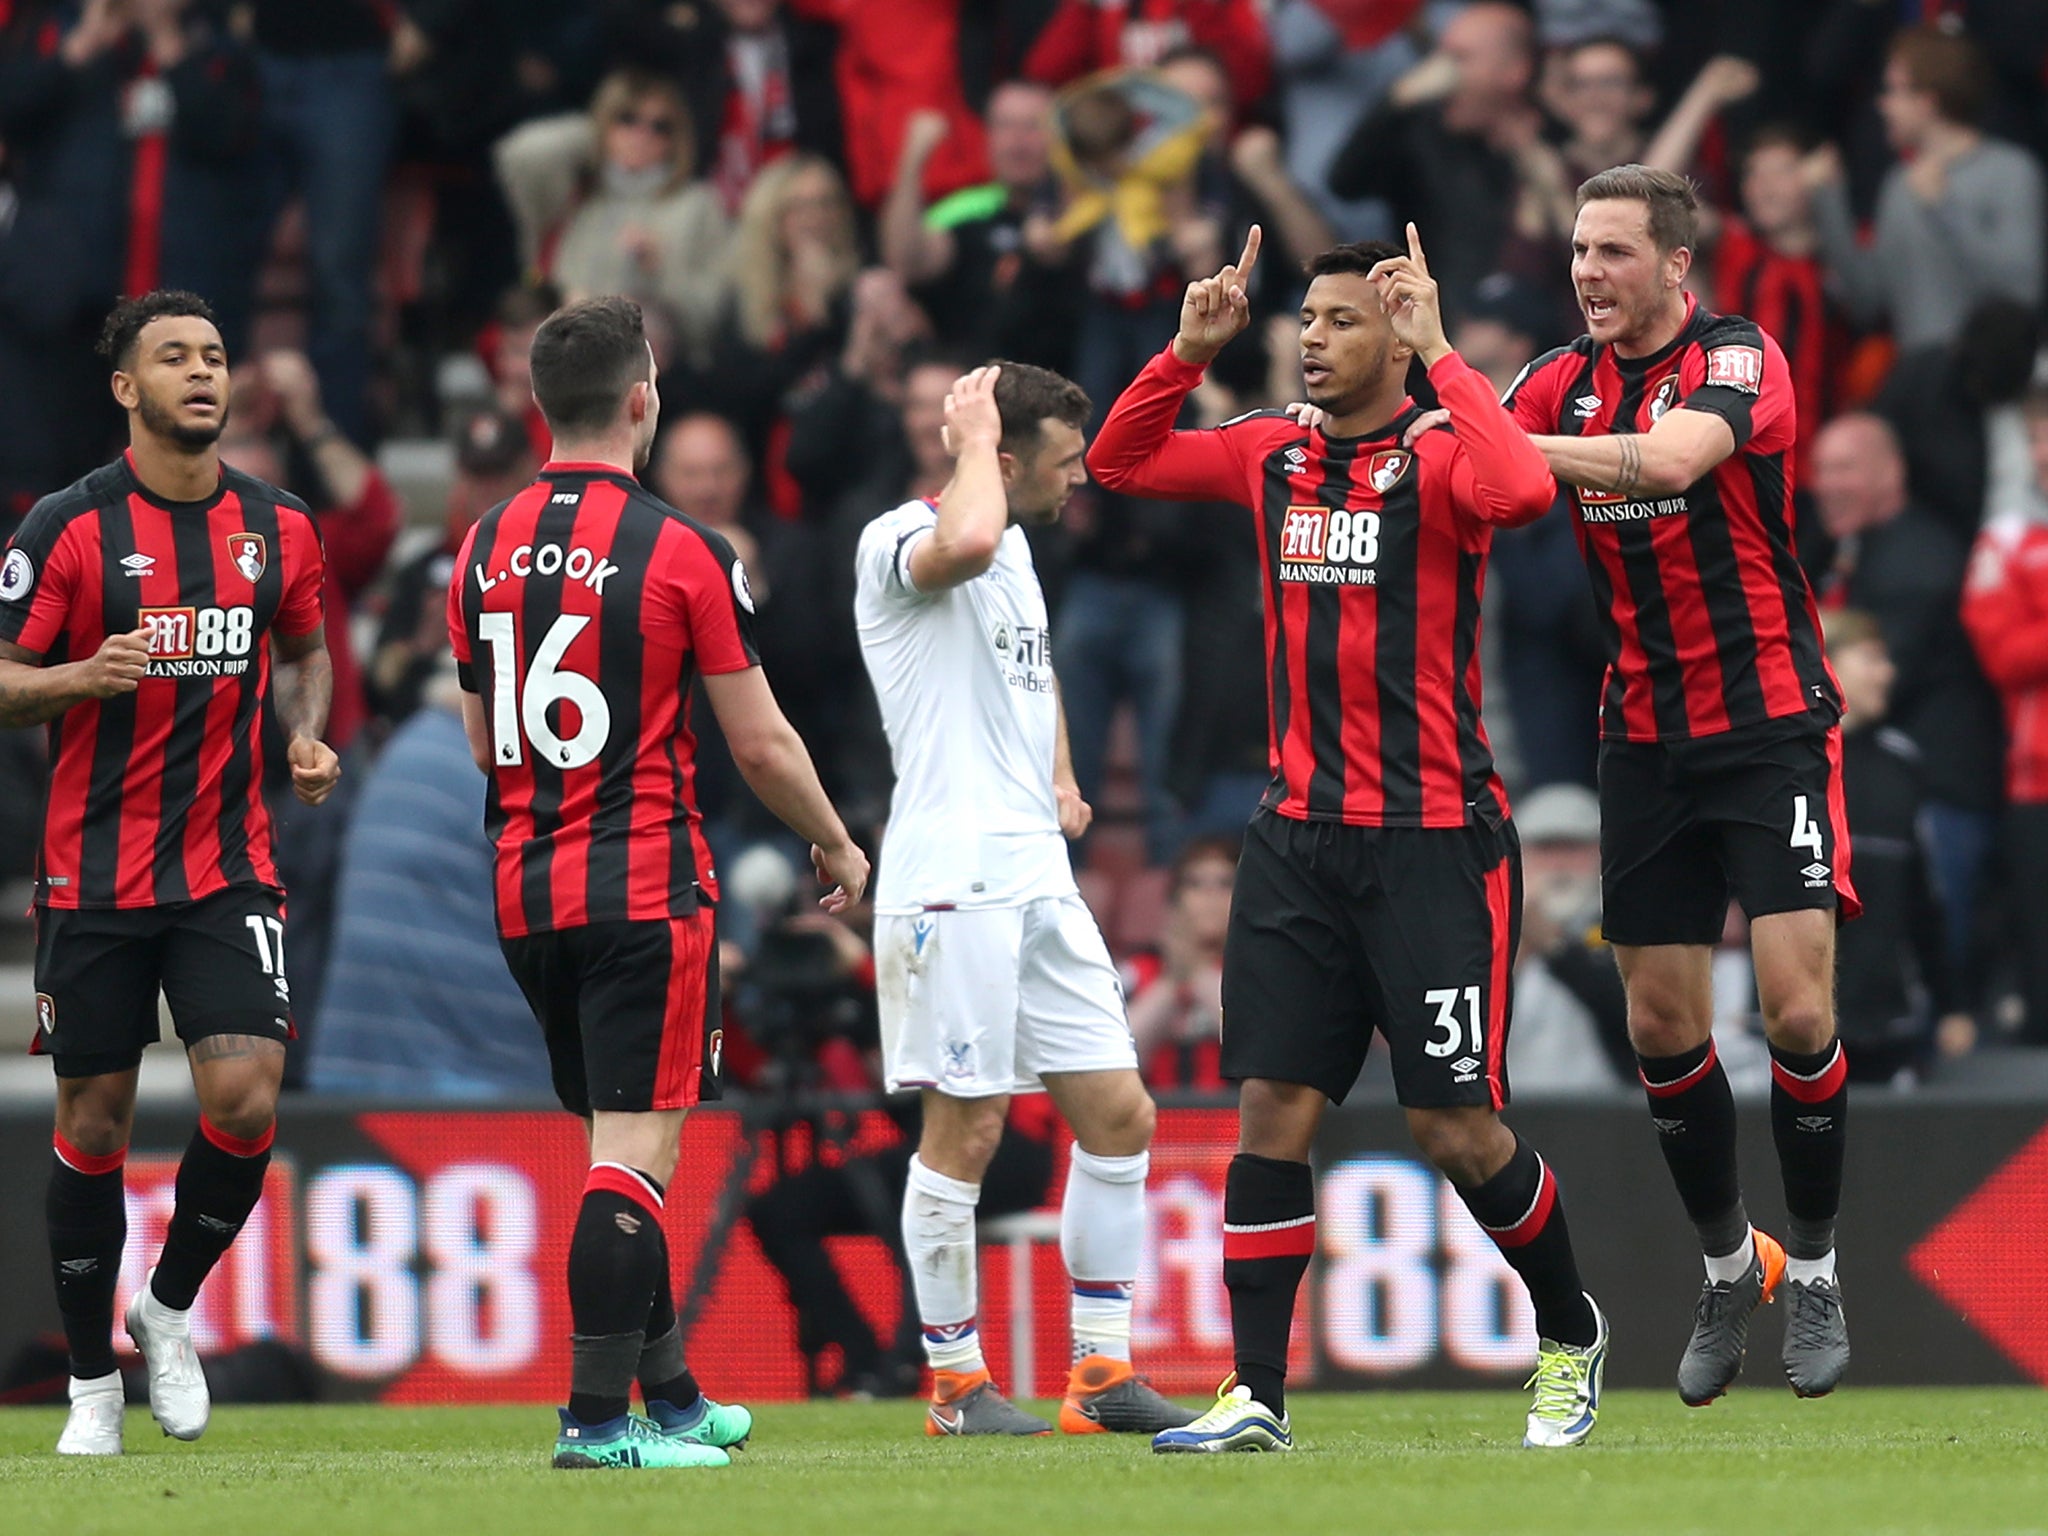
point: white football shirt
(964, 678)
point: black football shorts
(629, 1010)
(218, 962)
(1755, 814)
(1338, 931)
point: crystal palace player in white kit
(991, 974)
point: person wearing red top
(1384, 801)
(1087, 35)
(1176, 991)
(2005, 609)
(581, 613)
(1720, 753)
(139, 610)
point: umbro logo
(78, 1266)
(1296, 459)
(215, 1224)
(1816, 875)
(138, 564)
(1465, 1067)
(1667, 1127)
(1816, 1124)
(1586, 407)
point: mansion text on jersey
(1604, 507)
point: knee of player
(1459, 1147)
(95, 1128)
(1660, 1025)
(1805, 1023)
(1123, 1127)
(245, 1115)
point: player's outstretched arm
(974, 508)
(1137, 451)
(773, 760)
(33, 694)
(1498, 477)
(1679, 451)
(303, 693)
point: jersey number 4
(519, 712)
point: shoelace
(1813, 1311)
(1223, 1405)
(1559, 1379)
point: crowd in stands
(830, 208)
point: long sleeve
(1138, 452)
(360, 535)
(538, 165)
(1498, 476)
(1991, 220)
(1857, 272)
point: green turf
(1870, 1462)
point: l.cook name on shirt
(576, 563)
(1024, 652)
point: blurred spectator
(329, 122)
(506, 346)
(1455, 145)
(1899, 565)
(418, 1002)
(1334, 59)
(1085, 36)
(1602, 101)
(2005, 608)
(493, 462)
(1569, 1029)
(1176, 990)
(285, 428)
(1893, 976)
(605, 203)
(1959, 220)
(760, 84)
(966, 257)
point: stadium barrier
(416, 1254)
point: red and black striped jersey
(156, 795)
(581, 611)
(1373, 557)
(1710, 622)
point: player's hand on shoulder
(1075, 813)
(315, 769)
(119, 665)
(845, 869)
(1307, 416)
(1428, 421)
(1409, 295)
(1215, 309)
(972, 419)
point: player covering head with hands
(991, 976)
(1384, 802)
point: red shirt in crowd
(2005, 609)
(1087, 35)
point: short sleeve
(1535, 398)
(458, 626)
(882, 563)
(711, 601)
(1739, 374)
(305, 572)
(38, 576)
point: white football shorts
(981, 1002)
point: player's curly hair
(126, 320)
(1358, 257)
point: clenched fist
(118, 666)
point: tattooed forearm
(304, 690)
(1630, 473)
(32, 695)
(233, 1048)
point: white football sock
(1102, 1238)
(1731, 1267)
(938, 1234)
(1806, 1271)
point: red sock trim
(1678, 1085)
(624, 1182)
(1533, 1220)
(87, 1162)
(1824, 1084)
(238, 1146)
(1271, 1240)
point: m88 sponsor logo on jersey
(1330, 547)
(198, 642)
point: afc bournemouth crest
(1384, 470)
(46, 1013)
(716, 1050)
(1666, 393)
(249, 553)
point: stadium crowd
(828, 209)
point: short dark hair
(1949, 66)
(584, 359)
(126, 320)
(1358, 257)
(1211, 847)
(1026, 395)
(1673, 203)
(1778, 135)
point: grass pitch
(1872, 1462)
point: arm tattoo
(303, 690)
(1630, 474)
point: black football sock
(615, 1262)
(1810, 1123)
(1694, 1112)
(1520, 1209)
(88, 1222)
(1269, 1233)
(664, 1375)
(220, 1179)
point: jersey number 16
(519, 714)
